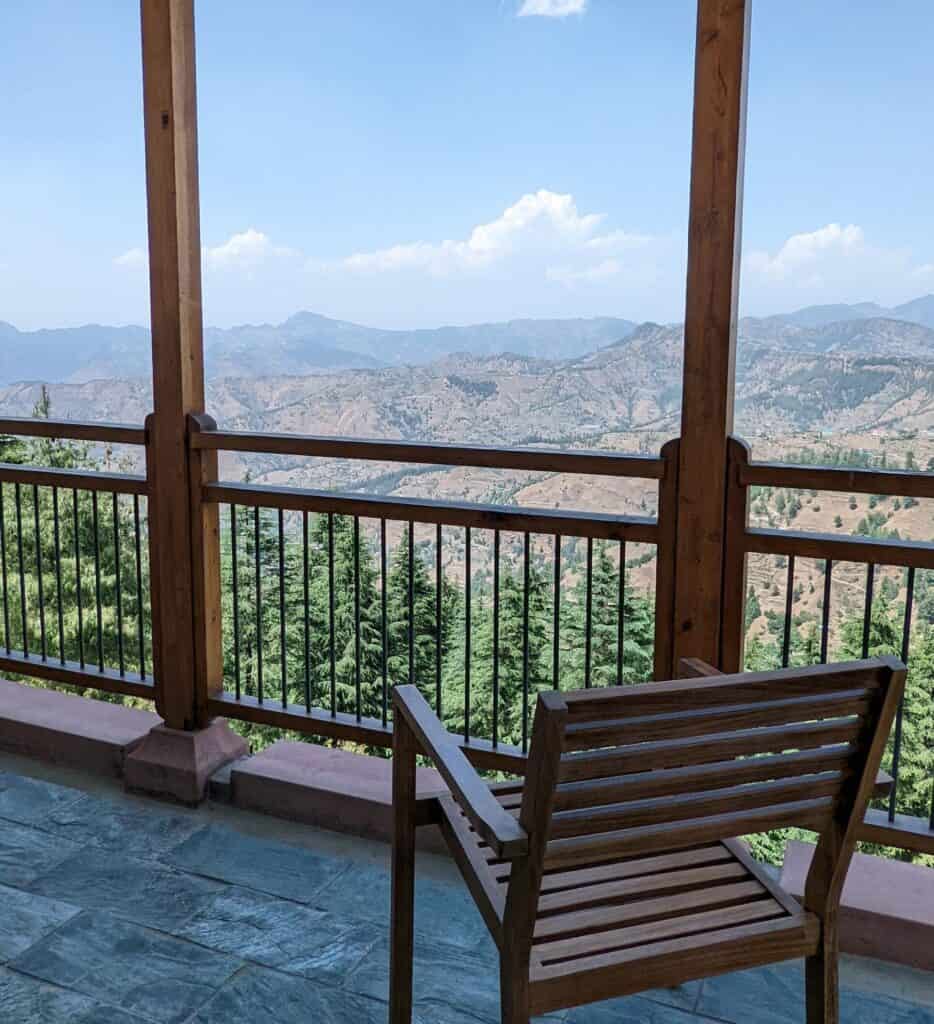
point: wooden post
(178, 367)
(666, 560)
(721, 65)
(733, 615)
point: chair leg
(514, 993)
(403, 877)
(822, 983)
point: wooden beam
(721, 65)
(178, 367)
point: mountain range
(789, 380)
(305, 343)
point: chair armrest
(496, 826)
(694, 668)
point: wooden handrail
(589, 463)
(908, 553)
(900, 483)
(73, 479)
(73, 430)
(597, 525)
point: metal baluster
(825, 611)
(39, 580)
(588, 617)
(257, 570)
(621, 614)
(789, 598)
(897, 742)
(235, 583)
(526, 572)
(439, 625)
(17, 494)
(140, 603)
(496, 547)
(331, 639)
(307, 600)
(283, 655)
(57, 530)
(6, 587)
(78, 588)
(358, 692)
(121, 661)
(384, 625)
(468, 587)
(556, 629)
(97, 581)
(867, 613)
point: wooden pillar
(186, 636)
(721, 65)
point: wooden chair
(615, 867)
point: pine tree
(638, 627)
(422, 669)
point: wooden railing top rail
(73, 479)
(590, 463)
(899, 483)
(597, 525)
(884, 551)
(73, 430)
(317, 721)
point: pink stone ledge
(887, 910)
(67, 729)
(328, 788)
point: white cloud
(136, 257)
(925, 271)
(805, 252)
(539, 224)
(551, 8)
(242, 251)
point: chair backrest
(629, 771)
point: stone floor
(117, 910)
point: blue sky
(419, 162)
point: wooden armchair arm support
(694, 668)
(498, 828)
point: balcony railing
(327, 598)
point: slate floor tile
(279, 869)
(31, 800)
(632, 1010)
(25, 918)
(282, 934)
(767, 995)
(445, 977)
(141, 830)
(155, 976)
(863, 1008)
(775, 995)
(443, 910)
(259, 994)
(136, 890)
(26, 852)
(28, 1001)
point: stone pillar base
(176, 765)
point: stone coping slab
(887, 909)
(93, 735)
(329, 788)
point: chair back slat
(643, 770)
